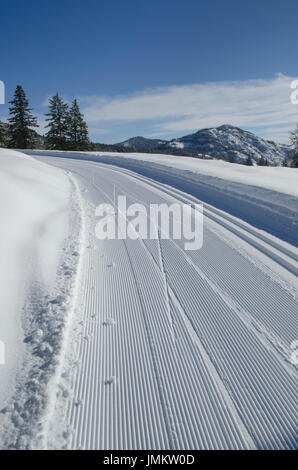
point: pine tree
(2, 135)
(262, 161)
(56, 137)
(20, 134)
(78, 138)
(294, 140)
(285, 162)
(249, 161)
(232, 159)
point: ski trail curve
(172, 349)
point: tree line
(264, 161)
(67, 129)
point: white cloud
(259, 104)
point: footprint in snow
(110, 381)
(111, 265)
(67, 434)
(109, 322)
(58, 300)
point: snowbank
(278, 179)
(34, 207)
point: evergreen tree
(20, 134)
(56, 137)
(266, 163)
(78, 138)
(295, 160)
(262, 161)
(232, 159)
(285, 162)
(249, 161)
(294, 140)
(2, 135)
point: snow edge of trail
(47, 315)
(55, 384)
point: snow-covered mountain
(142, 143)
(228, 142)
(225, 143)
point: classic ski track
(217, 382)
(209, 365)
(163, 399)
(240, 228)
(270, 339)
(182, 197)
(250, 323)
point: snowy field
(139, 344)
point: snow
(178, 145)
(204, 362)
(262, 196)
(191, 366)
(278, 179)
(35, 201)
(227, 141)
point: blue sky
(159, 68)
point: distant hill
(112, 148)
(228, 142)
(142, 143)
(225, 142)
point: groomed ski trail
(172, 349)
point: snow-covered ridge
(227, 142)
(142, 142)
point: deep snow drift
(35, 203)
